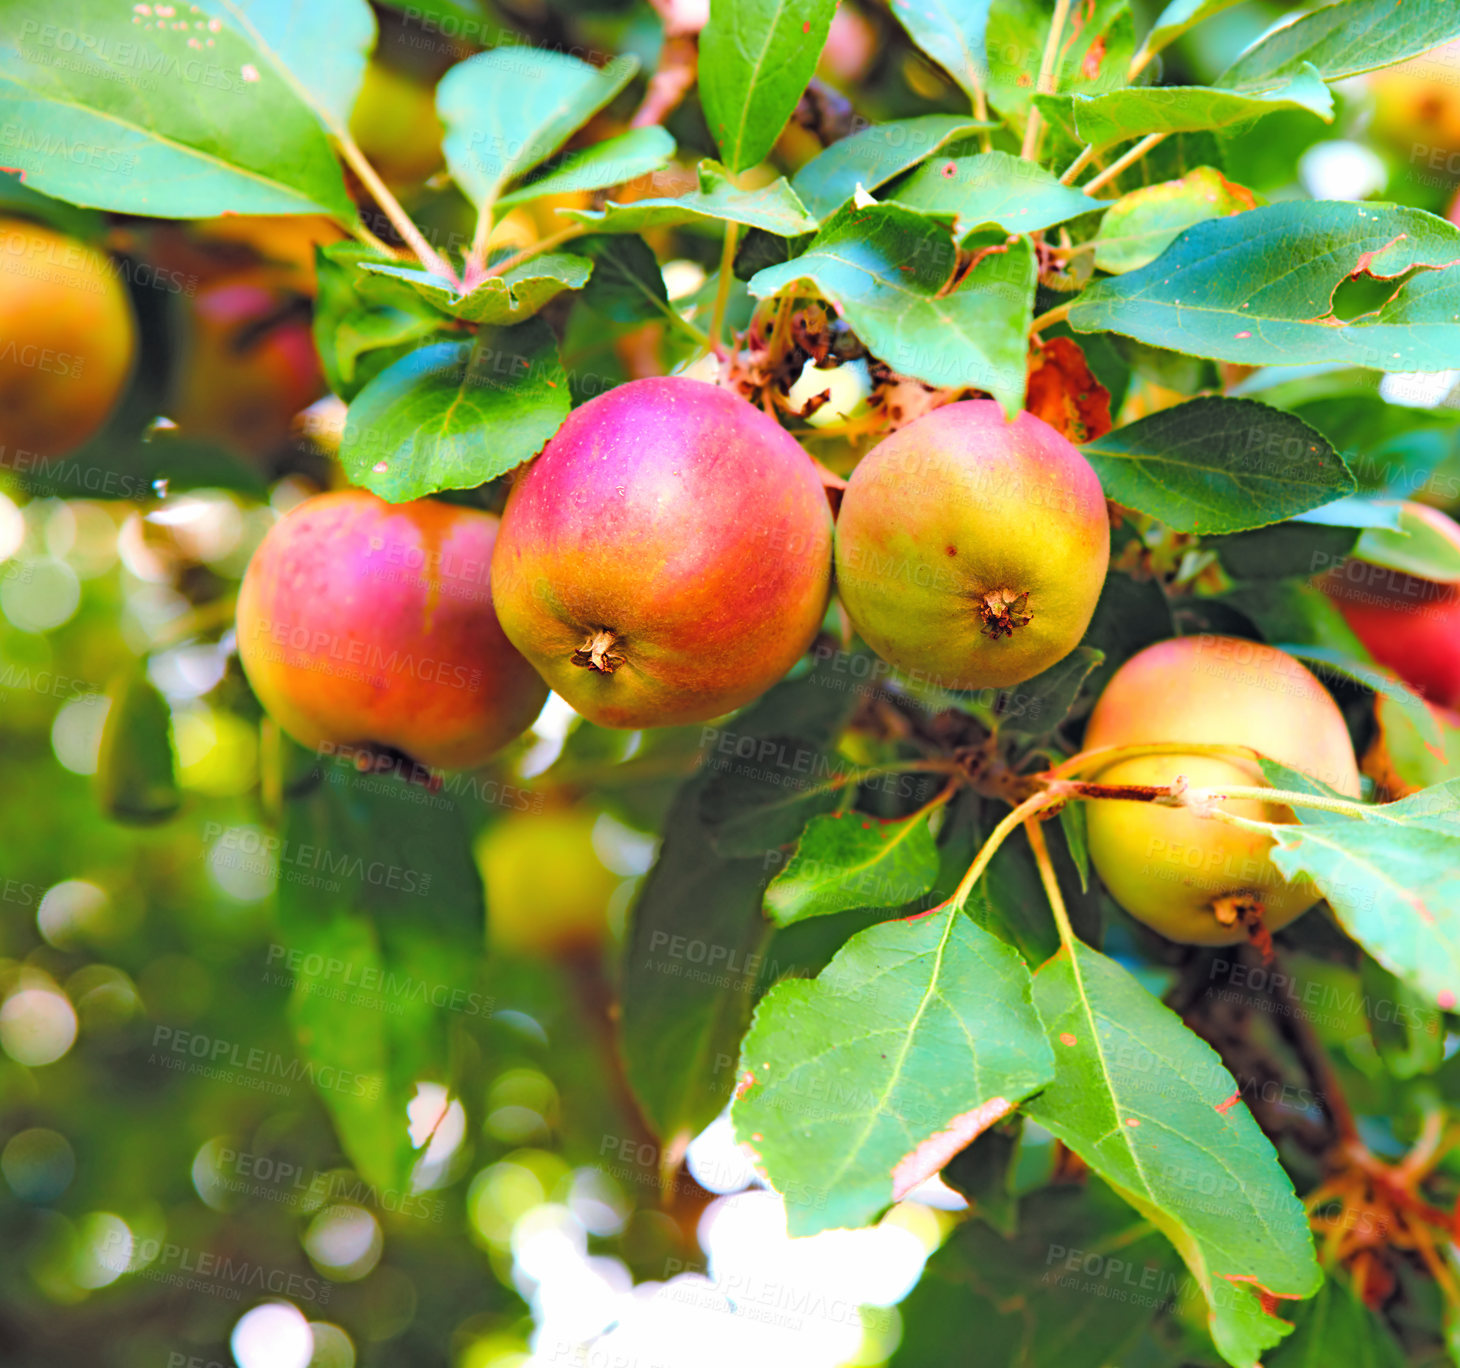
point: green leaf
(611, 162)
(1180, 16)
(993, 187)
(1218, 465)
(873, 156)
(682, 1018)
(135, 774)
(1414, 761)
(756, 59)
(1152, 1109)
(851, 860)
(456, 414)
(1073, 1288)
(696, 937)
(1390, 879)
(320, 49)
(983, 1174)
(1134, 112)
(885, 266)
(1094, 54)
(1010, 902)
(1077, 840)
(1130, 615)
(509, 109)
(858, 1085)
(1258, 289)
(1416, 547)
(764, 799)
(627, 284)
(175, 119)
(1408, 1033)
(1037, 706)
(1336, 1327)
(1346, 39)
(773, 207)
(1143, 224)
(386, 894)
(1281, 776)
(348, 324)
(951, 32)
(1288, 610)
(511, 297)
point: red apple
(668, 556)
(370, 625)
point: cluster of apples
(669, 555)
(666, 559)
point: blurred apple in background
(547, 890)
(1417, 104)
(395, 123)
(246, 364)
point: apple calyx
(597, 653)
(1002, 611)
(1243, 906)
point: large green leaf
(773, 208)
(885, 267)
(850, 860)
(1345, 39)
(1258, 288)
(1131, 113)
(514, 295)
(696, 937)
(751, 809)
(1390, 879)
(1218, 465)
(385, 896)
(1144, 223)
(179, 119)
(509, 109)
(951, 32)
(611, 162)
(1071, 1289)
(858, 1085)
(756, 59)
(993, 187)
(873, 156)
(321, 48)
(456, 414)
(1150, 1107)
(627, 284)
(1336, 1327)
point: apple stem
(1121, 163)
(1035, 832)
(1029, 808)
(391, 207)
(1287, 797)
(722, 290)
(1048, 79)
(597, 652)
